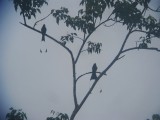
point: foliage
(16, 114)
(155, 117)
(94, 47)
(125, 12)
(69, 37)
(59, 116)
(29, 7)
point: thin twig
(78, 38)
(41, 19)
(137, 48)
(157, 10)
(87, 74)
(110, 25)
(121, 57)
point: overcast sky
(38, 83)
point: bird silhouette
(94, 70)
(43, 30)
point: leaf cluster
(77, 22)
(86, 19)
(95, 8)
(145, 39)
(155, 117)
(152, 26)
(94, 47)
(68, 37)
(127, 12)
(16, 114)
(29, 8)
(60, 116)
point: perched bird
(43, 30)
(94, 70)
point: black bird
(94, 70)
(43, 30)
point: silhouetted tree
(132, 14)
(155, 117)
(16, 114)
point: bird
(94, 70)
(43, 30)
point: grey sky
(38, 83)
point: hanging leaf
(57, 20)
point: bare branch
(121, 57)
(117, 21)
(104, 71)
(137, 48)
(78, 38)
(45, 34)
(110, 25)
(157, 10)
(87, 74)
(41, 19)
(55, 40)
(72, 57)
(140, 31)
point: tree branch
(121, 57)
(74, 83)
(72, 57)
(86, 74)
(111, 24)
(41, 19)
(137, 48)
(140, 31)
(157, 10)
(79, 52)
(104, 71)
(78, 38)
(61, 44)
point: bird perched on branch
(43, 30)
(94, 70)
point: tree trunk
(74, 113)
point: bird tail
(43, 37)
(93, 76)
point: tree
(155, 117)
(132, 14)
(16, 114)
